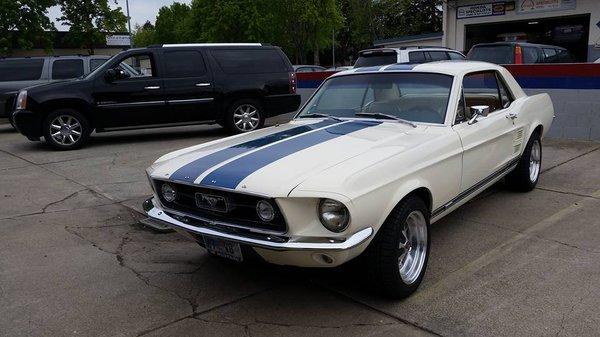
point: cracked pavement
(74, 259)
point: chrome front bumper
(271, 242)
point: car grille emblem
(211, 202)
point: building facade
(572, 24)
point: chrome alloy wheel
(412, 247)
(535, 160)
(245, 117)
(65, 130)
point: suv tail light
(518, 55)
(292, 83)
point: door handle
(203, 84)
(512, 115)
(153, 87)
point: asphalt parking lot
(75, 261)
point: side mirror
(478, 110)
(115, 74)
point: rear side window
(531, 55)
(438, 55)
(455, 56)
(21, 70)
(184, 63)
(416, 57)
(482, 89)
(65, 69)
(250, 61)
(95, 63)
(378, 59)
(564, 56)
(502, 54)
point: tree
(90, 21)
(357, 32)
(395, 18)
(144, 36)
(29, 18)
(172, 24)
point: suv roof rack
(422, 47)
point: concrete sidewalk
(75, 261)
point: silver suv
(383, 56)
(19, 73)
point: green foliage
(407, 17)
(29, 18)
(172, 24)
(144, 36)
(90, 20)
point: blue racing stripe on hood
(191, 171)
(232, 173)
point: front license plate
(222, 248)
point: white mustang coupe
(374, 157)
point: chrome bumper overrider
(278, 242)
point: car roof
(449, 67)
(407, 49)
(55, 57)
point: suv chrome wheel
(412, 247)
(535, 160)
(246, 118)
(65, 130)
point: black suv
(519, 53)
(234, 85)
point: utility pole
(333, 47)
(129, 24)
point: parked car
(519, 53)
(383, 56)
(305, 68)
(235, 85)
(18, 73)
(362, 170)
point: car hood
(276, 160)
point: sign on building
(473, 11)
(532, 6)
(118, 40)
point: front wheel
(245, 115)
(525, 176)
(397, 258)
(66, 129)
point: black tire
(255, 110)
(381, 259)
(521, 178)
(70, 141)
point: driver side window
(481, 88)
(138, 66)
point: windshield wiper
(386, 116)
(310, 115)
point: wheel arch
(69, 103)
(415, 188)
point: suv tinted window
(184, 63)
(95, 63)
(455, 56)
(564, 56)
(65, 69)
(376, 59)
(21, 70)
(531, 55)
(250, 61)
(482, 89)
(416, 57)
(500, 54)
(438, 55)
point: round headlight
(333, 215)
(265, 211)
(168, 192)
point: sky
(140, 10)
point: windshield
(502, 54)
(416, 97)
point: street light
(129, 24)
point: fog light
(169, 193)
(333, 215)
(265, 211)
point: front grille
(240, 211)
